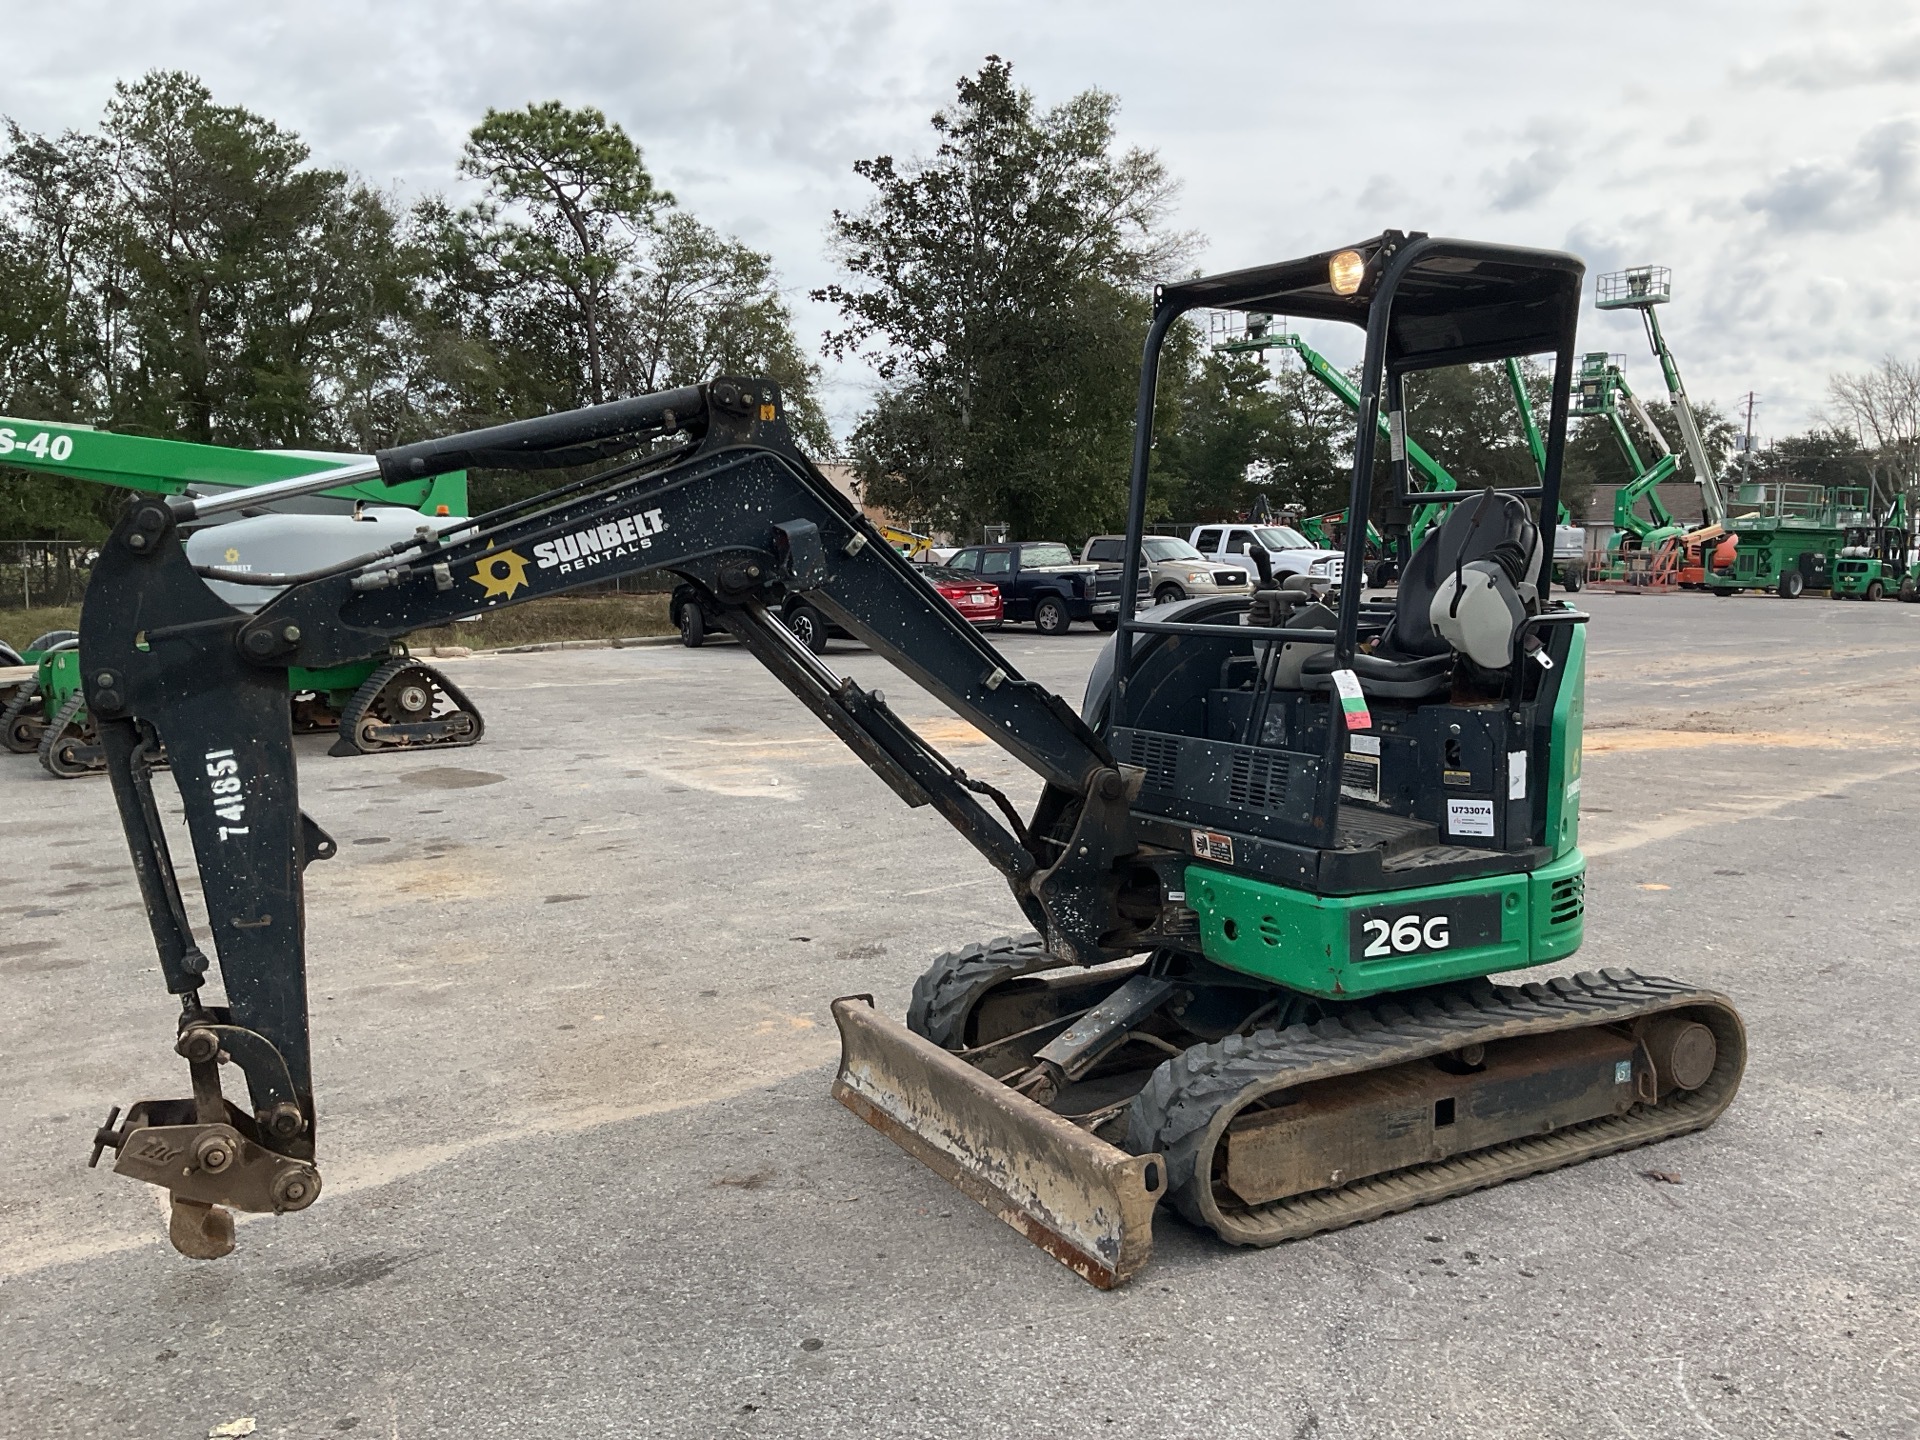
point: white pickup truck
(1290, 551)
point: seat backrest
(1492, 526)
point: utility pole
(1746, 443)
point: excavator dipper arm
(713, 490)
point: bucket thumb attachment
(1087, 1203)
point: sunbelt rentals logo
(597, 544)
(501, 573)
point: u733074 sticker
(1470, 817)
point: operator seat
(1465, 592)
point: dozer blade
(1083, 1201)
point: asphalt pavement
(583, 1176)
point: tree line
(186, 270)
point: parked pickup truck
(1290, 551)
(1040, 581)
(1175, 570)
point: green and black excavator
(1274, 859)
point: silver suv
(1178, 571)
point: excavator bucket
(1087, 1203)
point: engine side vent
(1258, 779)
(1159, 756)
(1568, 901)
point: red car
(977, 599)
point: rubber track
(369, 691)
(26, 695)
(52, 737)
(949, 988)
(1184, 1110)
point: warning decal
(1212, 845)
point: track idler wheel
(406, 705)
(69, 748)
(23, 720)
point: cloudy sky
(1769, 153)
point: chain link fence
(36, 573)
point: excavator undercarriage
(1301, 1118)
(1277, 853)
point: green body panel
(1307, 942)
(1764, 552)
(1852, 576)
(169, 467)
(1567, 734)
(59, 677)
(335, 679)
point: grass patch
(561, 617)
(18, 626)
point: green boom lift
(1789, 535)
(1259, 335)
(382, 703)
(1601, 391)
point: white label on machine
(1516, 775)
(1364, 744)
(1397, 434)
(1470, 817)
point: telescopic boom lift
(378, 702)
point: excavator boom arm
(732, 507)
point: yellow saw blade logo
(500, 575)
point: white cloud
(1768, 185)
(1528, 179)
(1878, 60)
(1879, 181)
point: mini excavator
(1275, 856)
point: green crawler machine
(1276, 855)
(377, 703)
